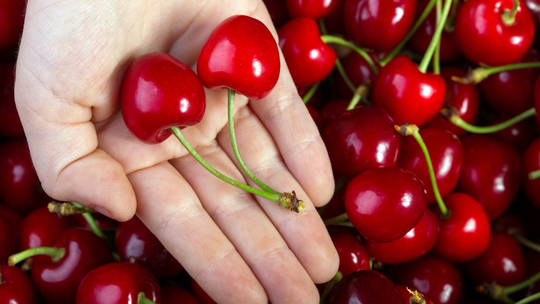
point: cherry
(315, 9)
(408, 95)
(8, 238)
(361, 139)
(333, 109)
(316, 100)
(531, 162)
(240, 54)
(508, 223)
(278, 12)
(15, 286)
(488, 32)
(378, 25)
(435, 278)
(175, 295)
(364, 286)
(13, 216)
(10, 123)
(519, 135)
(137, 244)
(446, 155)
(11, 22)
(466, 233)
(357, 70)
(385, 203)
(352, 254)
(537, 99)
(309, 59)
(503, 262)
(41, 228)
(416, 243)
(491, 172)
(152, 99)
(317, 119)
(119, 282)
(103, 222)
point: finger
(244, 223)
(172, 211)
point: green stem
(534, 175)
(142, 299)
(234, 144)
(359, 93)
(456, 120)
(451, 20)
(55, 253)
(91, 222)
(337, 219)
(436, 38)
(310, 92)
(330, 285)
(411, 32)
(346, 78)
(479, 74)
(322, 26)
(529, 298)
(508, 290)
(437, 54)
(509, 15)
(526, 242)
(361, 52)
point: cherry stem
(411, 32)
(508, 290)
(337, 40)
(436, 38)
(416, 297)
(286, 200)
(142, 299)
(451, 20)
(55, 253)
(529, 298)
(525, 242)
(68, 208)
(234, 144)
(509, 15)
(359, 93)
(331, 285)
(346, 78)
(456, 120)
(310, 92)
(436, 55)
(91, 222)
(412, 130)
(481, 73)
(322, 26)
(336, 219)
(534, 175)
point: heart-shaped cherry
(16, 286)
(158, 92)
(385, 203)
(309, 59)
(352, 254)
(407, 94)
(11, 22)
(314, 9)
(240, 54)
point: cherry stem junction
(501, 293)
(456, 120)
(142, 299)
(72, 208)
(55, 253)
(435, 40)
(337, 40)
(359, 95)
(509, 15)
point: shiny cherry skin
(57, 281)
(153, 101)
(408, 95)
(385, 203)
(503, 262)
(446, 154)
(314, 9)
(308, 58)
(352, 254)
(378, 25)
(484, 38)
(175, 295)
(416, 243)
(406, 294)
(16, 286)
(333, 109)
(464, 98)
(466, 233)
(491, 172)
(364, 286)
(240, 54)
(531, 162)
(358, 71)
(512, 92)
(8, 238)
(41, 228)
(10, 123)
(11, 22)
(435, 278)
(116, 283)
(135, 243)
(361, 139)
(278, 12)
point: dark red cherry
(463, 97)
(15, 286)
(531, 162)
(135, 243)
(175, 295)
(13, 216)
(352, 254)
(158, 92)
(336, 206)
(57, 280)
(360, 139)
(484, 38)
(278, 12)
(445, 152)
(41, 228)
(508, 223)
(519, 135)
(407, 94)
(317, 119)
(433, 277)
(466, 233)
(11, 22)
(116, 283)
(357, 70)
(491, 172)
(8, 239)
(385, 203)
(104, 222)
(309, 59)
(416, 243)
(378, 25)
(317, 99)
(10, 123)
(537, 99)
(406, 294)
(240, 54)
(315, 9)
(503, 262)
(364, 286)
(333, 109)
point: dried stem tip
(416, 297)
(66, 208)
(291, 202)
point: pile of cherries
(427, 109)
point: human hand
(239, 248)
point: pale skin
(239, 248)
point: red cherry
(11, 22)
(466, 233)
(503, 262)
(315, 9)
(531, 162)
(135, 243)
(361, 139)
(491, 172)
(357, 70)
(364, 286)
(8, 239)
(16, 286)
(240, 54)
(175, 295)
(41, 228)
(13, 216)
(10, 123)
(333, 109)
(416, 243)
(116, 283)
(378, 25)
(407, 94)
(483, 37)
(152, 99)
(508, 223)
(352, 254)
(519, 135)
(385, 203)
(309, 59)
(316, 117)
